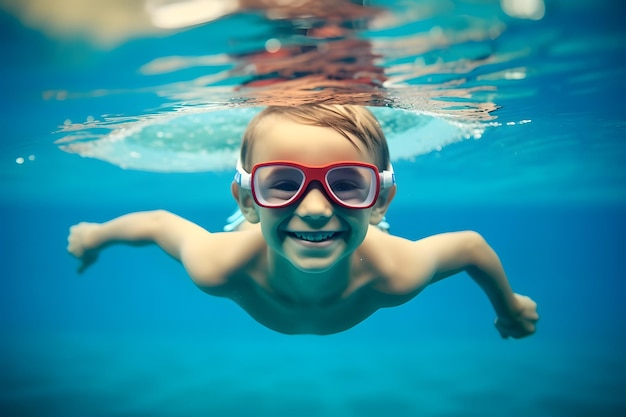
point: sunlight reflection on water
(414, 57)
(146, 98)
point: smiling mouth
(314, 236)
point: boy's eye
(285, 186)
(343, 186)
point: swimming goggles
(280, 183)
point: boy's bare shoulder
(215, 259)
(400, 267)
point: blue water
(133, 335)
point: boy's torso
(370, 286)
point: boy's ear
(245, 201)
(382, 204)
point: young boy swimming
(313, 182)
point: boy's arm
(167, 230)
(451, 253)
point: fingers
(82, 267)
(503, 333)
(73, 246)
(76, 247)
(87, 260)
(514, 330)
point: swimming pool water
(542, 179)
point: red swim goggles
(281, 183)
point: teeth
(314, 237)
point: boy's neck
(307, 288)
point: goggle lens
(280, 185)
(277, 185)
(355, 186)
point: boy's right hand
(521, 324)
(80, 243)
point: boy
(312, 183)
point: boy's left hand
(80, 244)
(523, 323)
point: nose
(315, 204)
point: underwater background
(504, 117)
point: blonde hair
(345, 119)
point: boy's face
(313, 233)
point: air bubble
(272, 45)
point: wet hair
(349, 120)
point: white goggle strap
(387, 178)
(243, 178)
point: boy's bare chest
(324, 317)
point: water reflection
(341, 52)
(437, 60)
